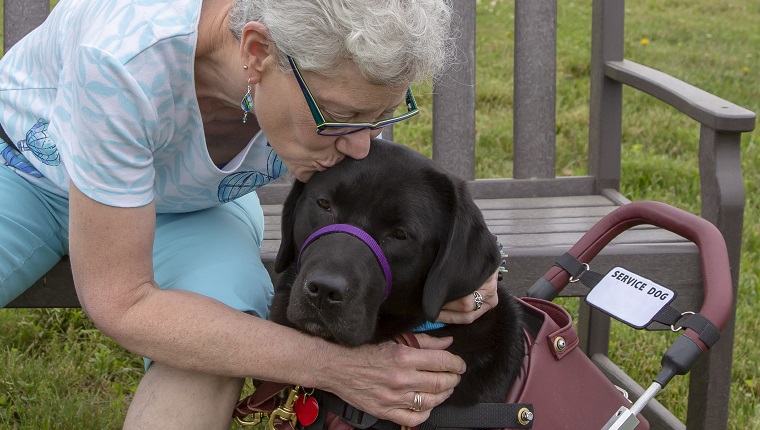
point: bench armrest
(722, 191)
(709, 110)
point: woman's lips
(329, 162)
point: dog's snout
(325, 290)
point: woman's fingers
(432, 355)
(422, 401)
(383, 379)
(411, 417)
(431, 342)
(469, 308)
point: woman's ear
(255, 49)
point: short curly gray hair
(391, 41)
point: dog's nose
(325, 290)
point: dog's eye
(324, 204)
(399, 234)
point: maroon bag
(564, 386)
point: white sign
(631, 298)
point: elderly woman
(125, 146)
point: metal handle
(624, 418)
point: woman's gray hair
(391, 41)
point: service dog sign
(631, 298)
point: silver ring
(417, 402)
(478, 300)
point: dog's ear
(467, 257)
(286, 255)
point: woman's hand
(383, 379)
(385, 383)
(465, 310)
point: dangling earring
(247, 103)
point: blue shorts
(213, 252)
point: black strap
(708, 333)
(329, 402)
(578, 270)
(667, 315)
(590, 278)
(570, 264)
(481, 415)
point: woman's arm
(111, 257)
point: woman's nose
(355, 145)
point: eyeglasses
(325, 128)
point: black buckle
(329, 402)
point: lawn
(58, 371)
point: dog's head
(425, 222)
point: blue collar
(428, 326)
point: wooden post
(454, 102)
(722, 188)
(605, 116)
(535, 89)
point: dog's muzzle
(359, 234)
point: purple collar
(360, 234)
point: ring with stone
(478, 300)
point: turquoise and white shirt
(103, 93)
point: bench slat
(548, 213)
(534, 237)
(543, 202)
(512, 226)
(675, 265)
(568, 239)
(511, 203)
(512, 241)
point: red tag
(306, 409)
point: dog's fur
(438, 247)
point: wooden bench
(538, 215)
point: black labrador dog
(437, 248)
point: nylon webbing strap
(356, 418)
(667, 315)
(570, 264)
(578, 270)
(481, 415)
(708, 333)
(590, 278)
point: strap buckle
(679, 328)
(578, 276)
(284, 413)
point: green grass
(57, 371)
